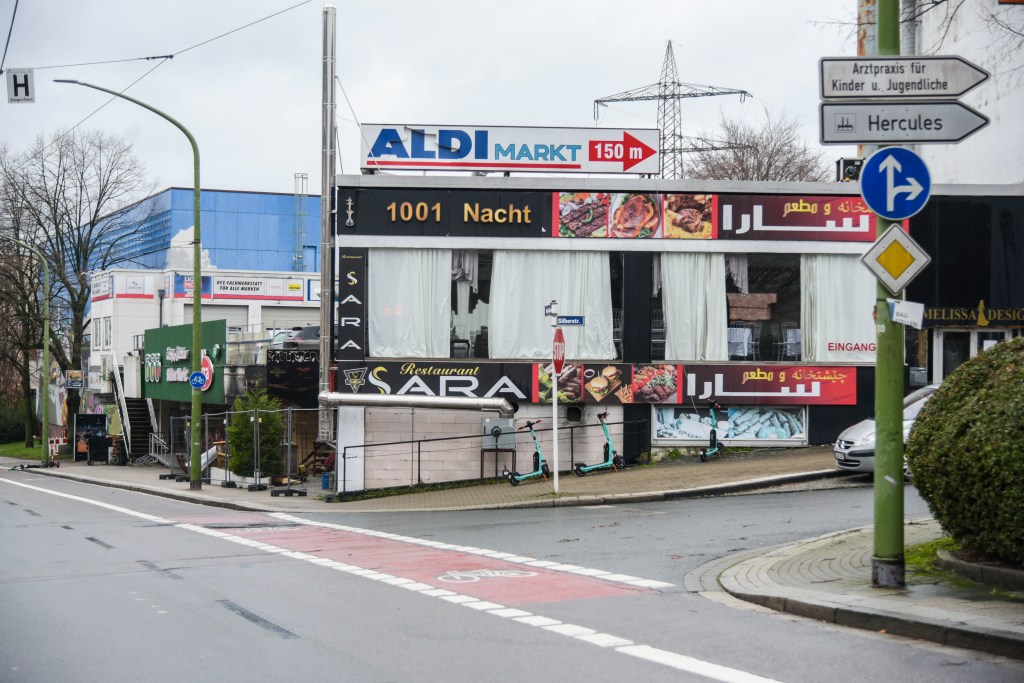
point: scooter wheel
(579, 470)
(514, 479)
(618, 462)
(546, 470)
(703, 455)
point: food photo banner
(604, 215)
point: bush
(966, 451)
(12, 424)
(240, 435)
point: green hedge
(967, 452)
(12, 424)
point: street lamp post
(44, 385)
(195, 476)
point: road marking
(574, 631)
(484, 552)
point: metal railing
(122, 405)
(430, 461)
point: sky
(253, 98)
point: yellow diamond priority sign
(895, 259)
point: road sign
(20, 85)
(865, 78)
(895, 259)
(197, 379)
(852, 123)
(895, 183)
(629, 151)
(558, 351)
(569, 320)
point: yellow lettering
(470, 212)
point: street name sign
(932, 77)
(569, 320)
(895, 183)
(895, 259)
(852, 123)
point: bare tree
(772, 151)
(71, 190)
(21, 307)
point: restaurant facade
(679, 293)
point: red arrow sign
(629, 151)
(558, 350)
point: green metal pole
(195, 476)
(887, 562)
(44, 381)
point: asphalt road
(101, 584)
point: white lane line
(107, 506)
(692, 665)
(581, 633)
(471, 550)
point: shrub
(12, 424)
(240, 434)
(966, 451)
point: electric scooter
(714, 448)
(612, 458)
(540, 467)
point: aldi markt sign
(167, 362)
(503, 148)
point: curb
(981, 639)
(1005, 577)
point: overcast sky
(252, 99)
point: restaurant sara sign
(614, 383)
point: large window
(438, 303)
(763, 295)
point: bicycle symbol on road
(477, 574)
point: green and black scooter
(612, 459)
(540, 467)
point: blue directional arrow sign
(197, 380)
(895, 183)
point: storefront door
(954, 346)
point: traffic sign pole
(888, 568)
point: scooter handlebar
(530, 423)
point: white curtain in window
(837, 297)
(738, 270)
(409, 299)
(524, 282)
(696, 313)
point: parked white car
(854, 450)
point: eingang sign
(504, 148)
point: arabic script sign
(774, 384)
(771, 217)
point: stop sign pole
(558, 360)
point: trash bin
(325, 480)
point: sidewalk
(827, 578)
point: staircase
(140, 428)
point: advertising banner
(183, 286)
(604, 215)
(351, 321)
(167, 362)
(746, 423)
(678, 384)
(506, 148)
(777, 217)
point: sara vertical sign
(351, 320)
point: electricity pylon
(669, 91)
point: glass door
(954, 346)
